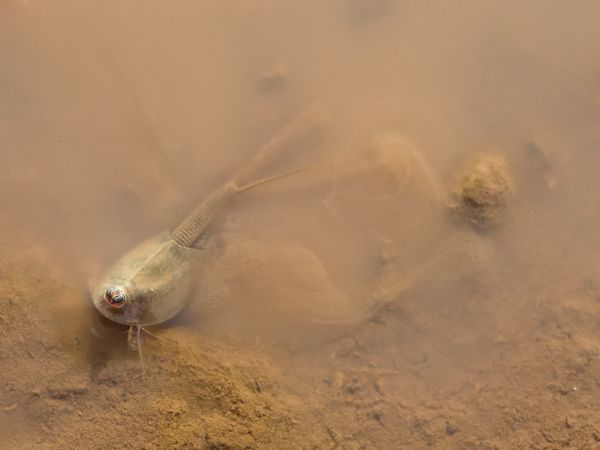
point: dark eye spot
(115, 296)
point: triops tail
(190, 230)
(278, 177)
(310, 119)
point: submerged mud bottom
(422, 375)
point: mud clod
(483, 192)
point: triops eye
(115, 296)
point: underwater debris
(483, 192)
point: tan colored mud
(117, 117)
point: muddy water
(116, 118)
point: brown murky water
(116, 118)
